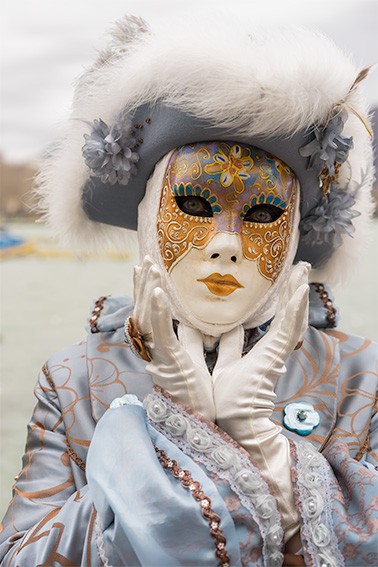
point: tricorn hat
(290, 92)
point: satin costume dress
(147, 482)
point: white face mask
(217, 283)
(226, 231)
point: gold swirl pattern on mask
(267, 243)
(177, 231)
(190, 164)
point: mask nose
(224, 247)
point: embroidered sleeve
(49, 521)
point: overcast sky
(45, 44)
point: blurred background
(46, 292)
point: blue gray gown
(147, 482)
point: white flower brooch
(301, 418)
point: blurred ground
(44, 304)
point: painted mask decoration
(224, 225)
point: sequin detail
(226, 460)
(328, 304)
(204, 501)
(99, 306)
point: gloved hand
(244, 388)
(177, 366)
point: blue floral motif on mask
(301, 418)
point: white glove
(177, 366)
(244, 389)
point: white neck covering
(148, 244)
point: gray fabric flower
(223, 458)
(199, 440)
(176, 424)
(108, 152)
(328, 146)
(320, 535)
(156, 409)
(330, 219)
(265, 506)
(247, 482)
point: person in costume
(222, 419)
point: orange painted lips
(221, 285)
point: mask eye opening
(194, 205)
(262, 213)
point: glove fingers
(136, 281)
(296, 276)
(163, 335)
(300, 307)
(140, 277)
(293, 326)
(151, 281)
(146, 265)
(284, 333)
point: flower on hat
(109, 152)
(328, 147)
(232, 166)
(333, 217)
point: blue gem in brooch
(301, 418)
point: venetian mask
(224, 225)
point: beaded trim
(314, 503)
(99, 305)
(203, 444)
(48, 377)
(205, 503)
(328, 304)
(76, 459)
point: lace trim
(314, 503)
(100, 542)
(205, 445)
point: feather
(128, 29)
(360, 77)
